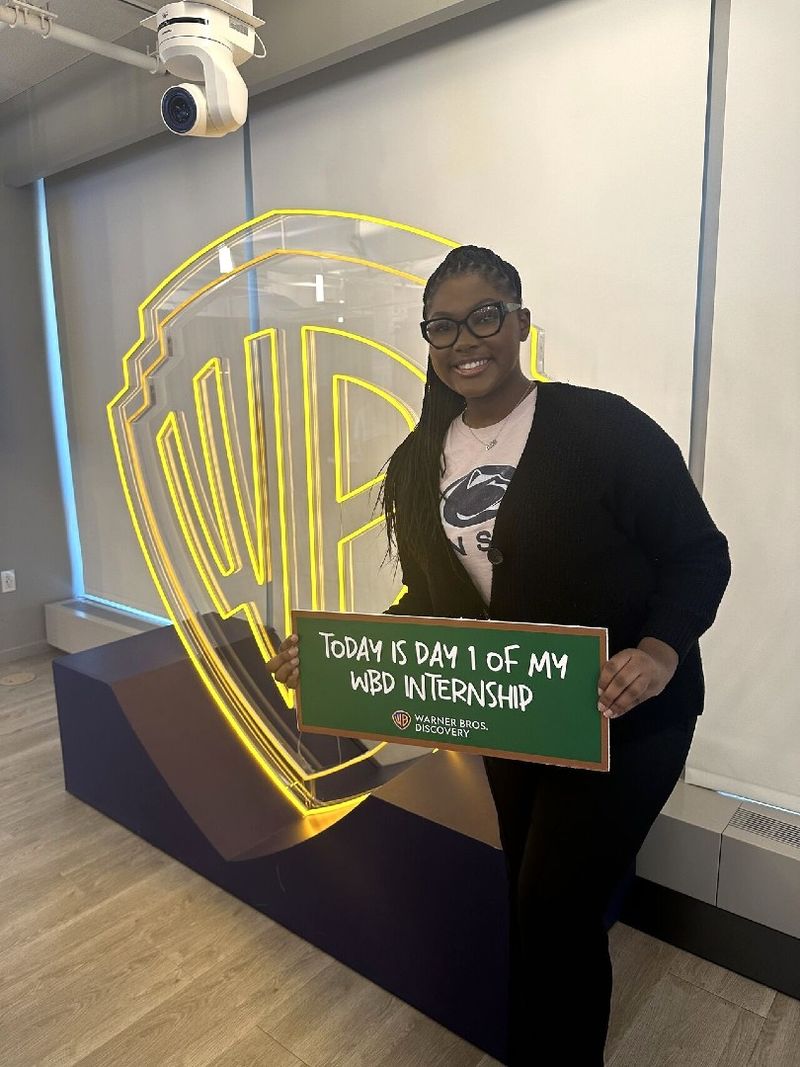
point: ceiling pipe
(25, 16)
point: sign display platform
(525, 691)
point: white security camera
(205, 43)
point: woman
(546, 502)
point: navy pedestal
(416, 905)
(408, 889)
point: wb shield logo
(401, 719)
(476, 497)
(250, 451)
(275, 372)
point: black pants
(569, 836)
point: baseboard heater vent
(77, 625)
(721, 879)
(774, 829)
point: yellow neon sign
(198, 490)
(206, 520)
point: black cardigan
(601, 525)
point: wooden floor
(112, 954)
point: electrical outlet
(8, 581)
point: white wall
(569, 138)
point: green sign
(520, 690)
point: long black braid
(411, 492)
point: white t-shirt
(474, 482)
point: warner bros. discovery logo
(401, 719)
(275, 372)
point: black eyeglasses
(485, 321)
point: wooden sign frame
(421, 622)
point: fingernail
(609, 714)
(600, 705)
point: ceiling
(60, 106)
(26, 59)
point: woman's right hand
(285, 664)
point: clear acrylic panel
(276, 372)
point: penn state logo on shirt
(476, 496)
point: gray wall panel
(32, 531)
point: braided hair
(411, 492)
(470, 259)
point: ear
(524, 319)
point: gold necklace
(498, 426)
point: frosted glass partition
(748, 742)
(118, 226)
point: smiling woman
(586, 516)
(524, 538)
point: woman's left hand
(635, 675)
